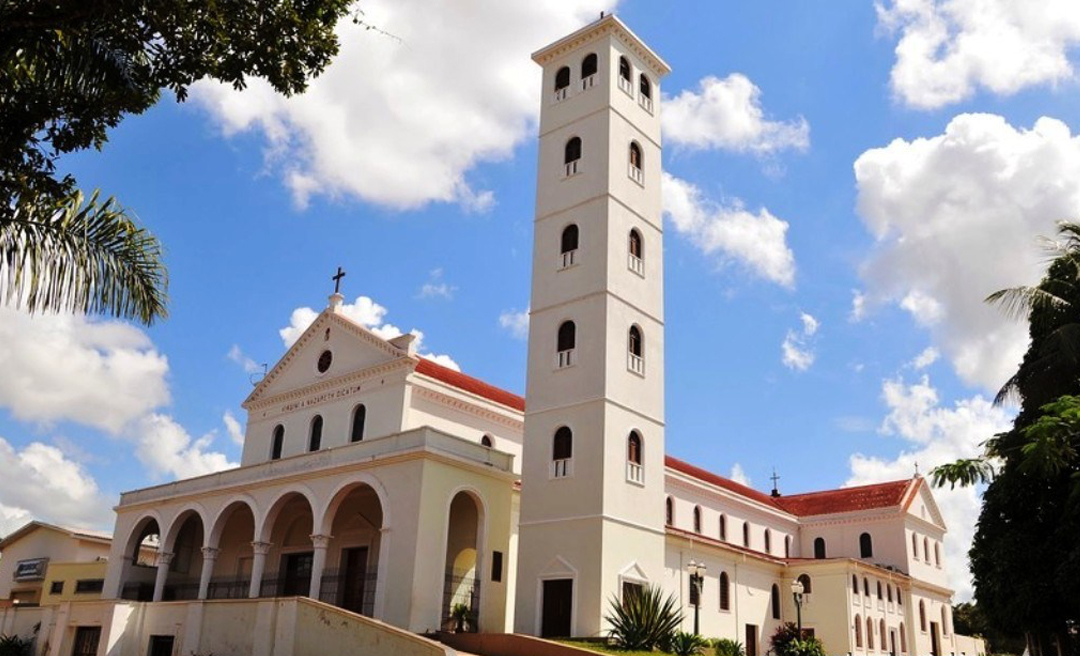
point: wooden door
(86, 641)
(354, 564)
(751, 640)
(557, 608)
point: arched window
(768, 541)
(635, 342)
(568, 243)
(697, 519)
(633, 447)
(725, 592)
(807, 588)
(899, 597)
(866, 546)
(637, 248)
(775, 598)
(486, 441)
(858, 631)
(787, 546)
(635, 156)
(562, 449)
(315, 439)
(723, 527)
(866, 586)
(624, 68)
(888, 592)
(746, 534)
(883, 633)
(572, 152)
(588, 65)
(854, 585)
(669, 512)
(914, 545)
(562, 79)
(879, 595)
(922, 616)
(869, 633)
(937, 554)
(277, 443)
(359, 415)
(926, 550)
(565, 343)
(645, 86)
(819, 548)
(903, 639)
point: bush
(787, 642)
(644, 621)
(688, 644)
(15, 646)
(728, 647)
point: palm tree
(81, 256)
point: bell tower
(592, 501)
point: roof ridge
(428, 367)
(846, 489)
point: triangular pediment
(352, 348)
(558, 566)
(923, 505)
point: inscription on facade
(322, 398)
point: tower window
(588, 71)
(869, 633)
(854, 585)
(572, 155)
(922, 616)
(866, 546)
(636, 163)
(669, 512)
(486, 441)
(914, 545)
(697, 519)
(926, 550)
(277, 442)
(645, 92)
(858, 631)
(568, 245)
(562, 450)
(315, 439)
(879, 595)
(636, 348)
(637, 251)
(903, 639)
(888, 592)
(634, 471)
(866, 586)
(937, 554)
(624, 76)
(565, 343)
(359, 415)
(562, 82)
(819, 548)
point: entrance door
(751, 640)
(297, 568)
(935, 640)
(161, 645)
(556, 609)
(86, 640)
(354, 564)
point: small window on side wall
(819, 548)
(669, 512)
(358, 419)
(277, 442)
(315, 439)
(486, 441)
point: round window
(324, 361)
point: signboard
(31, 570)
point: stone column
(209, 556)
(164, 559)
(318, 563)
(258, 564)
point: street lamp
(797, 592)
(697, 573)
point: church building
(378, 484)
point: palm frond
(964, 472)
(81, 257)
(1018, 302)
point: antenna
(258, 376)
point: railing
(568, 259)
(636, 364)
(571, 168)
(229, 588)
(138, 592)
(637, 175)
(635, 472)
(461, 589)
(588, 82)
(645, 102)
(636, 264)
(351, 592)
(566, 358)
(562, 467)
(627, 86)
(185, 591)
(560, 94)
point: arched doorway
(232, 535)
(290, 557)
(140, 561)
(183, 543)
(355, 520)
(461, 591)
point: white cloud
(166, 447)
(40, 482)
(956, 217)
(63, 367)
(858, 306)
(757, 242)
(928, 357)
(726, 114)
(436, 287)
(949, 48)
(368, 314)
(933, 434)
(397, 121)
(739, 475)
(233, 427)
(246, 363)
(517, 322)
(796, 350)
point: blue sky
(257, 200)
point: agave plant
(728, 647)
(688, 644)
(11, 645)
(644, 620)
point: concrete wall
(69, 574)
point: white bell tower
(592, 501)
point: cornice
(603, 27)
(322, 386)
(682, 481)
(465, 406)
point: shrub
(728, 647)
(687, 644)
(14, 646)
(645, 620)
(787, 642)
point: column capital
(210, 553)
(164, 558)
(321, 541)
(261, 548)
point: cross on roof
(337, 280)
(774, 478)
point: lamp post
(797, 594)
(697, 572)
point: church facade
(391, 487)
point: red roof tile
(470, 384)
(848, 499)
(726, 483)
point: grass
(600, 648)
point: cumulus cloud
(368, 314)
(436, 287)
(738, 474)
(246, 363)
(233, 428)
(517, 322)
(65, 367)
(947, 49)
(40, 482)
(932, 433)
(956, 217)
(726, 114)
(796, 350)
(927, 357)
(166, 448)
(397, 122)
(756, 242)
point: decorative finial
(775, 478)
